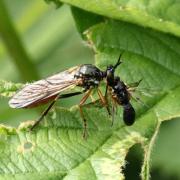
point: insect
(120, 93)
(88, 77)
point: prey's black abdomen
(128, 114)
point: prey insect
(120, 94)
(86, 76)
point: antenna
(119, 61)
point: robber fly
(86, 76)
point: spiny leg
(104, 101)
(83, 100)
(51, 105)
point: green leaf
(56, 2)
(50, 51)
(15, 46)
(160, 15)
(85, 20)
(7, 89)
(147, 55)
(166, 151)
(58, 151)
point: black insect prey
(122, 96)
(119, 93)
(86, 76)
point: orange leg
(104, 101)
(92, 98)
(83, 100)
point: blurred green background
(50, 38)
(53, 44)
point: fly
(40, 92)
(86, 76)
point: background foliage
(51, 44)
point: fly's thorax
(90, 75)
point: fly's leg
(44, 113)
(51, 105)
(83, 100)
(132, 87)
(92, 98)
(104, 101)
(71, 94)
(106, 91)
(137, 99)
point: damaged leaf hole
(134, 161)
(26, 146)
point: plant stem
(15, 47)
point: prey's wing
(43, 90)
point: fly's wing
(42, 90)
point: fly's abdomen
(128, 114)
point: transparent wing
(134, 88)
(143, 96)
(150, 92)
(43, 90)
